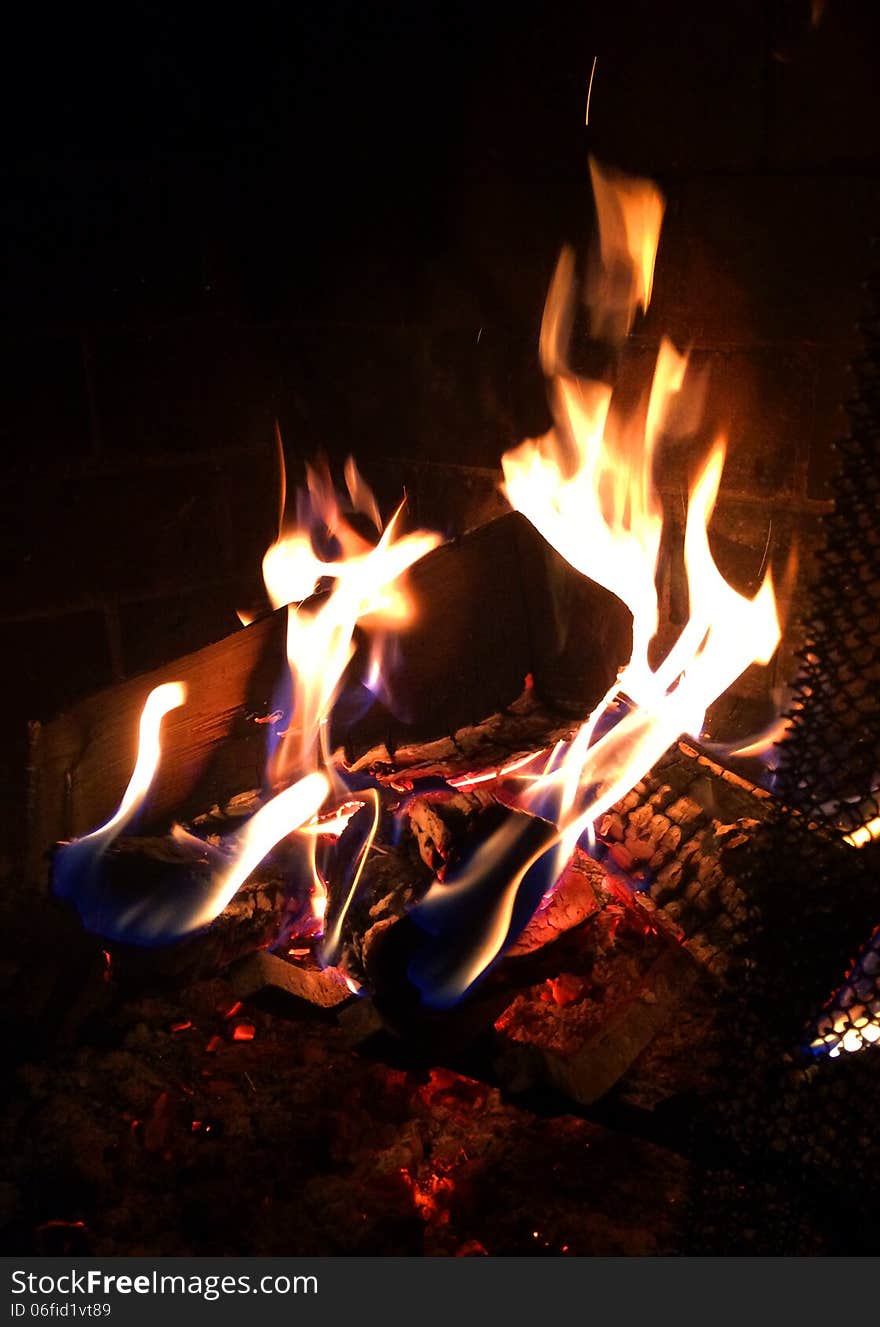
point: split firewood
(465, 687)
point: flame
(363, 587)
(367, 590)
(629, 212)
(588, 487)
(74, 869)
(161, 701)
(268, 826)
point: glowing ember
(852, 1020)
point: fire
(367, 590)
(73, 862)
(588, 488)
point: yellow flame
(272, 823)
(367, 591)
(161, 700)
(319, 635)
(588, 487)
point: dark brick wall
(345, 219)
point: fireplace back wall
(346, 220)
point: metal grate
(795, 1112)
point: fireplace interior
(334, 236)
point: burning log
(214, 747)
(466, 689)
(456, 686)
(594, 1005)
(679, 834)
(381, 944)
(159, 872)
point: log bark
(527, 725)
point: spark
(590, 88)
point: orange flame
(320, 634)
(588, 487)
(367, 591)
(630, 213)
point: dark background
(345, 216)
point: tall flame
(588, 487)
(367, 590)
